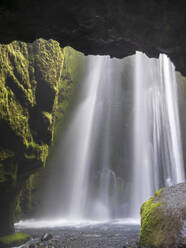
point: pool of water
(98, 235)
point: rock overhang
(114, 27)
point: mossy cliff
(163, 217)
(30, 76)
(30, 198)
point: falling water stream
(157, 148)
(122, 142)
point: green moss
(30, 197)
(5, 153)
(29, 84)
(65, 89)
(72, 69)
(48, 116)
(37, 86)
(14, 114)
(22, 67)
(15, 239)
(43, 153)
(37, 152)
(151, 231)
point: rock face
(163, 218)
(30, 199)
(113, 27)
(29, 78)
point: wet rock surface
(102, 236)
(46, 237)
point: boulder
(46, 237)
(163, 218)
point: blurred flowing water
(157, 147)
(121, 144)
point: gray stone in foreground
(163, 218)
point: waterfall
(157, 148)
(81, 135)
(91, 126)
(122, 142)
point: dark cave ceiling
(114, 27)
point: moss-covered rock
(15, 239)
(29, 84)
(162, 218)
(29, 201)
(72, 70)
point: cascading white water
(157, 148)
(92, 118)
(156, 152)
(89, 186)
(81, 136)
(123, 141)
